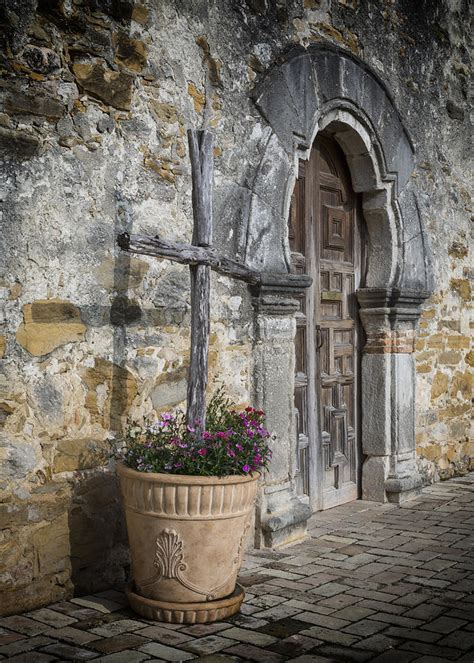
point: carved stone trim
(394, 299)
(278, 294)
(390, 316)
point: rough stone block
(112, 87)
(48, 324)
(36, 104)
(18, 457)
(80, 454)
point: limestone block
(19, 144)
(132, 53)
(112, 87)
(36, 104)
(79, 454)
(40, 592)
(199, 98)
(40, 59)
(12, 515)
(439, 385)
(463, 288)
(16, 565)
(52, 547)
(170, 392)
(49, 502)
(173, 289)
(140, 14)
(450, 357)
(48, 324)
(17, 457)
(462, 385)
(109, 404)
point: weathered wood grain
(188, 254)
(201, 154)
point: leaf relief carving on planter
(170, 564)
(169, 554)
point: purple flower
(246, 469)
(167, 416)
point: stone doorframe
(307, 91)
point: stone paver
(375, 582)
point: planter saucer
(186, 613)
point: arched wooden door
(325, 240)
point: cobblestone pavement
(374, 583)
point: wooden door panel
(323, 240)
(336, 216)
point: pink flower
(167, 416)
(202, 452)
(246, 469)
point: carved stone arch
(297, 97)
(324, 87)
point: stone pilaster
(390, 317)
(282, 515)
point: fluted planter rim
(171, 478)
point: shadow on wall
(98, 536)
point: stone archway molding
(295, 97)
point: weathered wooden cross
(201, 258)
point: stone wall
(96, 97)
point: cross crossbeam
(188, 254)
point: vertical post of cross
(201, 155)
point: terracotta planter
(187, 537)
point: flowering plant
(233, 442)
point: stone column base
(286, 517)
(379, 485)
(401, 489)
